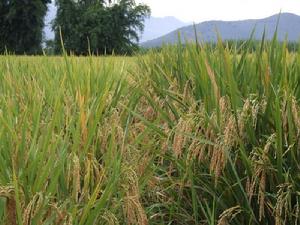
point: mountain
(289, 24)
(156, 27)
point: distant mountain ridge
(157, 26)
(288, 26)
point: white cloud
(202, 10)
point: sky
(203, 10)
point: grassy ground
(190, 135)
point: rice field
(189, 135)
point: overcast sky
(202, 10)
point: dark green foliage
(100, 26)
(21, 25)
(49, 47)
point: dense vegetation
(98, 26)
(21, 25)
(95, 26)
(193, 135)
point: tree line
(80, 26)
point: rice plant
(193, 134)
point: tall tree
(21, 25)
(98, 25)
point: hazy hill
(156, 27)
(289, 24)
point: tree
(98, 25)
(21, 25)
